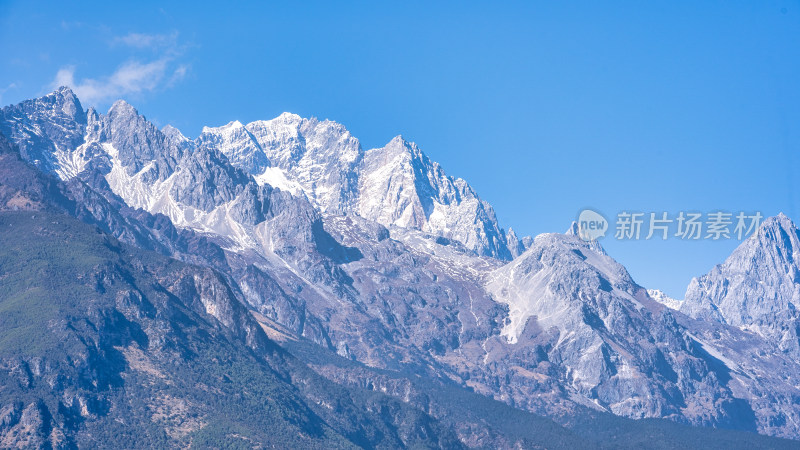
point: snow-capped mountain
(46, 129)
(421, 196)
(661, 297)
(396, 185)
(319, 159)
(381, 258)
(757, 288)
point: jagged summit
(396, 185)
(233, 124)
(515, 244)
(573, 229)
(60, 101)
(399, 142)
(65, 97)
(289, 117)
(774, 226)
(398, 145)
(174, 133)
(661, 297)
(122, 107)
(63, 90)
(757, 288)
(400, 186)
(46, 127)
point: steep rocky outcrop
(757, 288)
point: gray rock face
(382, 258)
(517, 246)
(611, 343)
(757, 288)
(136, 140)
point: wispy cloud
(71, 25)
(178, 75)
(135, 76)
(148, 41)
(6, 89)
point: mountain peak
(757, 287)
(289, 117)
(661, 297)
(400, 141)
(42, 126)
(399, 145)
(778, 233)
(230, 129)
(573, 229)
(64, 99)
(64, 91)
(174, 134)
(530, 284)
(121, 107)
(233, 124)
(781, 221)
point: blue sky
(545, 109)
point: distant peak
(399, 146)
(399, 143)
(779, 221)
(573, 229)
(65, 91)
(289, 117)
(778, 230)
(65, 100)
(233, 124)
(661, 297)
(122, 107)
(174, 133)
(783, 218)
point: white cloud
(144, 40)
(68, 26)
(6, 89)
(178, 75)
(133, 76)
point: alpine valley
(273, 284)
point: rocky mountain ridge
(757, 289)
(396, 185)
(289, 212)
